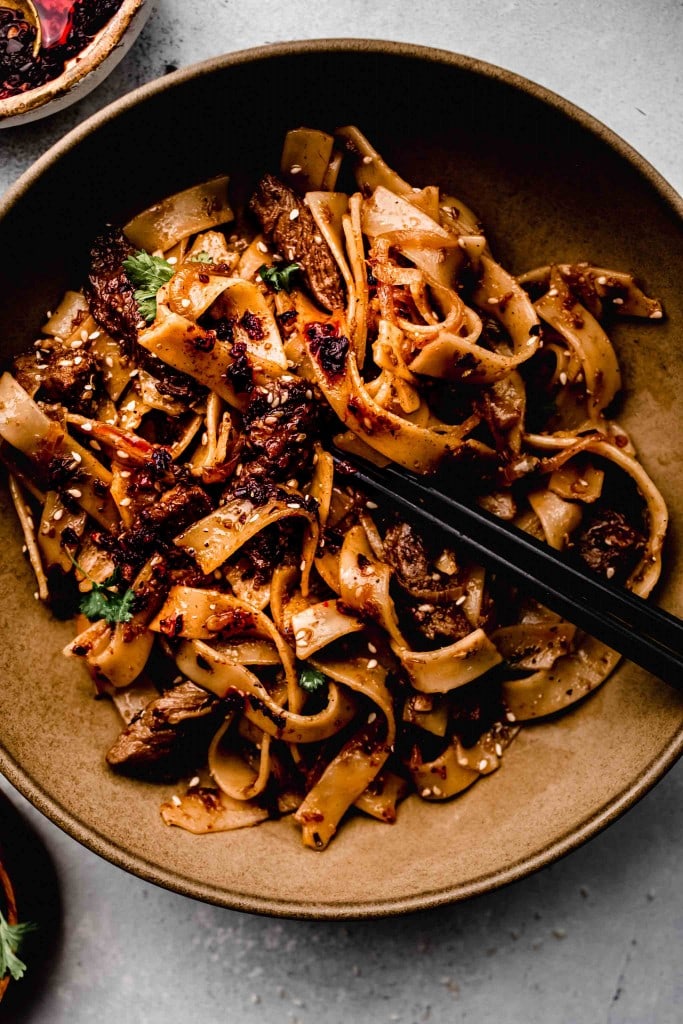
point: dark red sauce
(67, 27)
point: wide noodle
(276, 643)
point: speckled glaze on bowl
(82, 74)
(550, 183)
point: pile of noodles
(421, 284)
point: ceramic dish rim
(89, 836)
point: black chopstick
(646, 635)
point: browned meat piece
(155, 526)
(161, 736)
(407, 555)
(610, 545)
(439, 623)
(70, 377)
(108, 290)
(171, 382)
(281, 424)
(298, 239)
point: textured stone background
(596, 939)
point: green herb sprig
(148, 274)
(105, 601)
(279, 277)
(11, 936)
(311, 680)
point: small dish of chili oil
(54, 52)
(67, 26)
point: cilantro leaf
(104, 602)
(147, 273)
(279, 276)
(311, 680)
(11, 936)
(202, 257)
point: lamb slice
(109, 293)
(168, 728)
(290, 227)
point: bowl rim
(556, 848)
(90, 58)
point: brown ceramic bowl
(83, 73)
(550, 182)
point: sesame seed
(425, 607)
(601, 280)
(436, 791)
(87, 426)
(270, 420)
(372, 649)
(262, 247)
(610, 573)
(617, 302)
(372, 663)
(130, 407)
(76, 457)
(77, 344)
(461, 600)
(84, 335)
(74, 492)
(302, 566)
(185, 303)
(499, 750)
(552, 292)
(656, 314)
(58, 514)
(205, 438)
(563, 378)
(426, 791)
(483, 764)
(295, 169)
(301, 635)
(94, 335)
(36, 595)
(582, 483)
(372, 717)
(125, 473)
(293, 214)
(293, 504)
(293, 483)
(367, 160)
(510, 717)
(493, 301)
(172, 260)
(121, 454)
(177, 802)
(125, 502)
(24, 548)
(371, 504)
(95, 445)
(109, 361)
(318, 239)
(309, 394)
(133, 373)
(194, 781)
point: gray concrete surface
(597, 938)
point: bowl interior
(549, 184)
